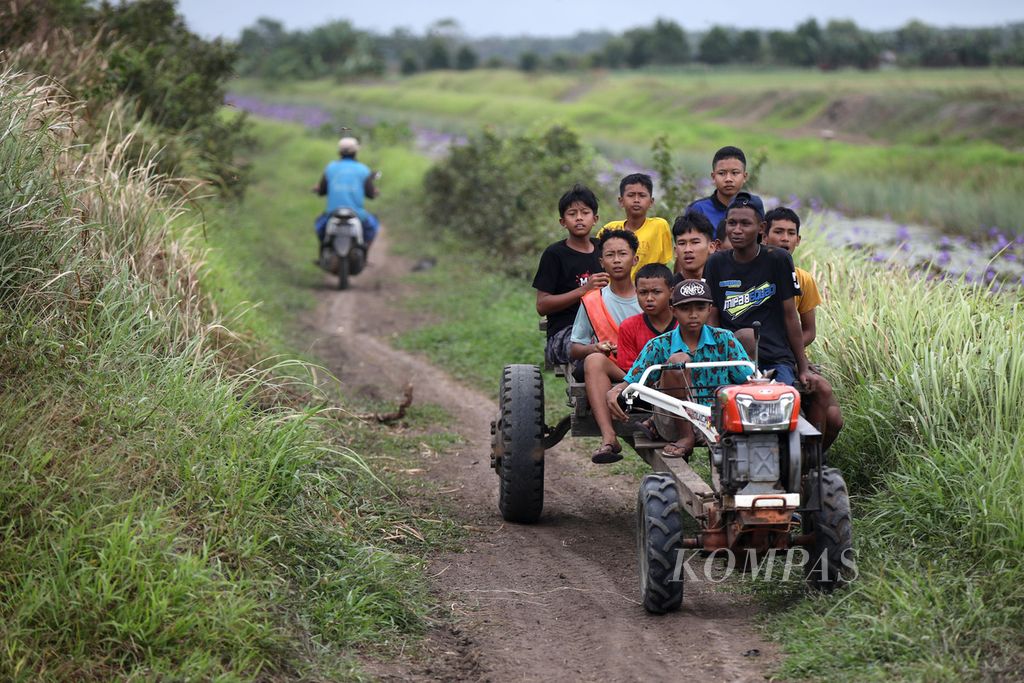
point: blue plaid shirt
(715, 344)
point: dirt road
(556, 600)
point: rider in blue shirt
(347, 183)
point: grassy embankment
(927, 154)
(167, 510)
(932, 452)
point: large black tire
(343, 272)
(831, 562)
(521, 456)
(659, 542)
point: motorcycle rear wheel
(343, 273)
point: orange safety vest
(605, 327)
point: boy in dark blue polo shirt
(729, 173)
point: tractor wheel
(520, 429)
(831, 562)
(659, 542)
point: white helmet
(348, 145)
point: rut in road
(555, 600)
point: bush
(142, 53)
(500, 195)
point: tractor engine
(757, 422)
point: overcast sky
(480, 18)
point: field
(932, 443)
(917, 145)
(183, 501)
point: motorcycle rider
(347, 183)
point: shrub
(162, 516)
(142, 53)
(500, 195)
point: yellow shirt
(809, 297)
(655, 238)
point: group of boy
(614, 307)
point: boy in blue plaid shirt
(692, 341)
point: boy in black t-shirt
(753, 282)
(568, 269)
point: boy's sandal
(674, 450)
(649, 429)
(606, 454)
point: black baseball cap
(746, 199)
(690, 290)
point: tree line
(341, 50)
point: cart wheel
(831, 562)
(518, 450)
(659, 542)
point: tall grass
(931, 378)
(163, 515)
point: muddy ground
(555, 600)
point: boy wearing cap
(347, 183)
(692, 340)
(756, 283)
(729, 174)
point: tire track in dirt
(558, 599)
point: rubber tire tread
(343, 272)
(660, 540)
(833, 529)
(521, 428)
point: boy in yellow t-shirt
(636, 195)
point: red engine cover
(759, 392)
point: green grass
(166, 511)
(918, 171)
(485, 321)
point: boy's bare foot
(606, 454)
(680, 449)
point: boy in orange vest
(594, 338)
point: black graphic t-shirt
(563, 269)
(747, 292)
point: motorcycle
(343, 250)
